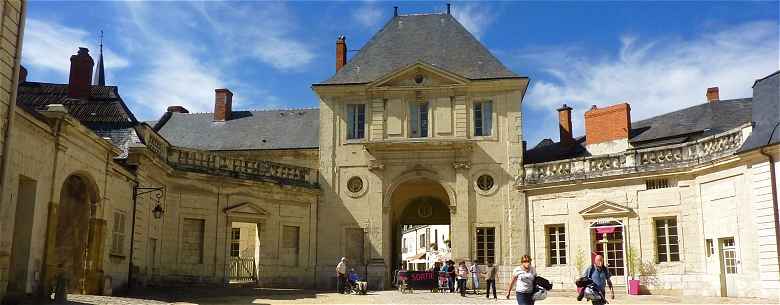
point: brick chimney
(80, 79)
(608, 123)
(223, 104)
(564, 126)
(713, 94)
(341, 52)
(178, 109)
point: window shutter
(414, 114)
(487, 115)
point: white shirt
(525, 279)
(341, 268)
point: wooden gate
(242, 270)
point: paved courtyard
(229, 296)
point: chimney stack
(178, 109)
(80, 79)
(22, 74)
(564, 126)
(341, 52)
(448, 8)
(713, 94)
(395, 11)
(608, 123)
(223, 105)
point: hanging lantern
(158, 211)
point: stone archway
(417, 201)
(76, 239)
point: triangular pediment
(246, 209)
(419, 74)
(605, 208)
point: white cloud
(655, 76)
(48, 46)
(473, 17)
(369, 15)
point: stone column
(460, 226)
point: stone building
(422, 246)
(685, 201)
(421, 127)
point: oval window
(355, 184)
(485, 182)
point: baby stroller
(354, 284)
(589, 290)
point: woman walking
(524, 275)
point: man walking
(490, 278)
(599, 274)
(341, 275)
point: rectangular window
(483, 118)
(235, 242)
(422, 242)
(405, 249)
(556, 239)
(656, 184)
(667, 244)
(192, 240)
(710, 247)
(290, 245)
(486, 245)
(729, 255)
(418, 120)
(118, 233)
(356, 121)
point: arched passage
(414, 203)
(72, 239)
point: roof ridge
(259, 110)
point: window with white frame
(356, 121)
(418, 120)
(666, 240)
(483, 118)
(486, 245)
(556, 241)
(421, 245)
(118, 233)
(235, 242)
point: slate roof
(766, 113)
(246, 130)
(436, 39)
(703, 120)
(104, 112)
(670, 128)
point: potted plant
(634, 264)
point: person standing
(451, 275)
(474, 269)
(524, 276)
(599, 274)
(463, 275)
(341, 275)
(490, 279)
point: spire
(100, 73)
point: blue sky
(658, 56)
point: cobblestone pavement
(242, 296)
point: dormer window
(356, 121)
(418, 120)
(483, 118)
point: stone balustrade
(636, 160)
(202, 161)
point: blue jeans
(525, 298)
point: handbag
(540, 294)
